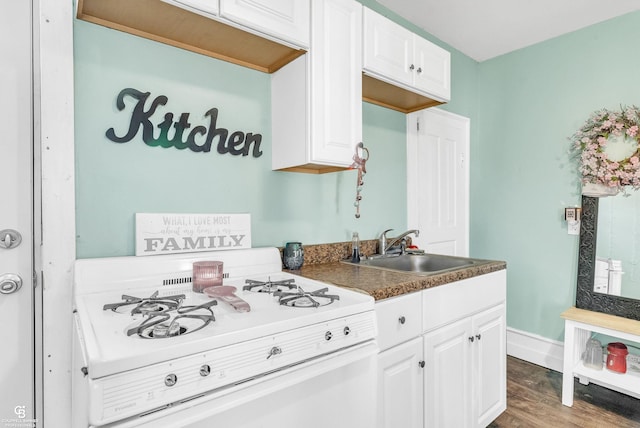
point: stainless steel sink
(419, 264)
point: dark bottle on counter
(355, 248)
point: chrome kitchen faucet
(384, 244)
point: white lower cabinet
(400, 378)
(448, 371)
(465, 364)
(490, 365)
(452, 372)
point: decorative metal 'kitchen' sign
(198, 139)
(186, 233)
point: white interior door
(438, 181)
(16, 214)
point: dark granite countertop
(322, 263)
(382, 284)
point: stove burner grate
(306, 299)
(269, 286)
(146, 305)
(188, 319)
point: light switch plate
(573, 227)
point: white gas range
(150, 351)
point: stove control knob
(205, 370)
(346, 331)
(328, 335)
(276, 350)
(170, 379)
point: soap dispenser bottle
(355, 248)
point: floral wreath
(609, 148)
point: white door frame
(54, 166)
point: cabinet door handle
(421, 364)
(471, 339)
(402, 319)
(478, 336)
(419, 70)
(411, 67)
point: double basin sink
(419, 264)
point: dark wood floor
(534, 400)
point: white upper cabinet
(202, 7)
(432, 73)
(265, 41)
(284, 20)
(399, 57)
(287, 20)
(317, 99)
(388, 48)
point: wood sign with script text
(186, 233)
(179, 133)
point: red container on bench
(617, 357)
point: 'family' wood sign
(198, 139)
(186, 233)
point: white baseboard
(535, 349)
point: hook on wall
(360, 159)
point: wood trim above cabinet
(313, 168)
(394, 97)
(164, 23)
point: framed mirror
(609, 247)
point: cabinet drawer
(399, 319)
(451, 302)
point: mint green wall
(114, 181)
(530, 102)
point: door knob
(10, 238)
(10, 283)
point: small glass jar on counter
(293, 255)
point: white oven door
(335, 391)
